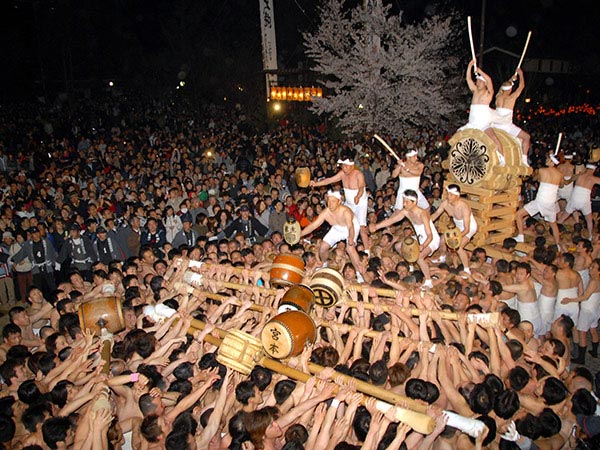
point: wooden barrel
(286, 270)
(594, 155)
(106, 309)
(328, 286)
(473, 160)
(410, 249)
(452, 236)
(302, 176)
(239, 351)
(297, 298)
(286, 334)
(291, 232)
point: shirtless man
(344, 226)
(428, 237)
(526, 297)
(480, 115)
(460, 212)
(546, 276)
(569, 286)
(545, 201)
(505, 105)
(583, 260)
(409, 173)
(581, 197)
(353, 182)
(568, 172)
(589, 313)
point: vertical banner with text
(269, 44)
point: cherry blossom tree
(383, 75)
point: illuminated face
(521, 275)
(333, 202)
(409, 204)
(347, 168)
(453, 198)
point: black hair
(361, 423)
(583, 403)
(283, 389)
(507, 404)
(378, 373)
(261, 377)
(480, 399)
(55, 430)
(550, 422)
(184, 371)
(244, 391)
(554, 391)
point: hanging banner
(269, 45)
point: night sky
(144, 45)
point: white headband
(480, 77)
(335, 194)
(554, 160)
(590, 166)
(345, 161)
(409, 197)
(452, 190)
(506, 88)
(568, 156)
(412, 153)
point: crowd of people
(115, 198)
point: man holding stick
(344, 226)
(353, 182)
(409, 173)
(581, 197)
(428, 237)
(505, 105)
(480, 114)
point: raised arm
(438, 212)
(469, 76)
(314, 225)
(326, 181)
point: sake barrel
(473, 160)
(452, 235)
(286, 334)
(287, 269)
(239, 351)
(410, 249)
(297, 298)
(106, 310)
(302, 176)
(328, 286)
(291, 232)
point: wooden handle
(105, 355)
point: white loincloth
(538, 289)
(503, 120)
(360, 210)
(566, 191)
(545, 202)
(127, 444)
(531, 312)
(339, 233)
(422, 236)
(472, 226)
(570, 309)
(585, 277)
(410, 183)
(480, 117)
(580, 200)
(511, 302)
(589, 313)
(546, 306)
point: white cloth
(531, 312)
(566, 191)
(585, 277)
(511, 302)
(339, 233)
(538, 289)
(472, 226)
(580, 200)
(480, 118)
(127, 444)
(422, 236)
(503, 120)
(410, 183)
(570, 309)
(545, 202)
(360, 210)
(589, 313)
(546, 305)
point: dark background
(78, 46)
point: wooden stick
(199, 293)
(472, 44)
(558, 144)
(524, 51)
(386, 146)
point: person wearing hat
(107, 247)
(460, 212)
(503, 115)
(581, 197)
(80, 250)
(546, 200)
(344, 226)
(409, 174)
(249, 226)
(185, 236)
(427, 235)
(43, 257)
(353, 182)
